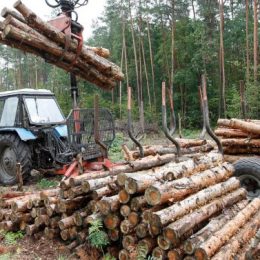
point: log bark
(159, 253)
(95, 184)
(241, 142)
(44, 45)
(177, 229)
(112, 221)
(137, 203)
(129, 241)
(125, 210)
(51, 32)
(170, 214)
(6, 11)
(177, 190)
(249, 127)
(209, 247)
(241, 150)
(66, 223)
(241, 238)
(109, 190)
(233, 133)
(142, 164)
(68, 205)
(108, 205)
(140, 181)
(214, 225)
(51, 233)
(78, 217)
(142, 230)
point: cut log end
(141, 230)
(153, 196)
(124, 197)
(201, 254)
(131, 186)
(125, 210)
(163, 243)
(124, 255)
(111, 221)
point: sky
(87, 14)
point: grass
(45, 184)
(11, 238)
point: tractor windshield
(43, 110)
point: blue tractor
(35, 133)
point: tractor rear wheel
(12, 151)
(248, 172)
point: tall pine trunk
(255, 40)
(247, 43)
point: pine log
(124, 255)
(51, 32)
(45, 45)
(108, 205)
(112, 221)
(159, 253)
(241, 150)
(82, 236)
(241, 142)
(142, 230)
(253, 248)
(170, 214)
(177, 190)
(114, 234)
(78, 218)
(124, 196)
(163, 242)
(176, 254)
(8, 12)
(126, 227)
(209, 247)
(129, 241)
(66, 223)
(125, 211)
(104, 191)
(54, 222)
(147, 245)
(146, 214)
(95, 184)
(242, 237)
(233, 133)
(133, 218)
(137, 203)
(163, 150)
(31, 229)
(249, 127)
(142, 164)
(78, 180)
(177, 229)
(67, 205)
(91, 218)
(51, 233)
(140, 181)
(214, 225)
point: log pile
(190, 207)
(239, 137)
(26, 31)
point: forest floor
(18, 246)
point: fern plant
(97, 237)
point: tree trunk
(232, 133)
(108, 205)
(214, 225)
(177, 190)
(240, 239)
(209, 247)
(255, 40)
(247, 43)
(170, 214)
(177, 229)
(249, 127)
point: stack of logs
(239, 137)
(158, 205)
(29, 33)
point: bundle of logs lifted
(239, 137)
(29, 33)
(168, 207)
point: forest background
(175, 41)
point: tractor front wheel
(12, 151)
(248, 171)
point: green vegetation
(46, 183)
(6, 257)
(115, 152)
(11, 238)
(108, 257)
(97, 237)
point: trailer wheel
(248, 171)
(13, 151)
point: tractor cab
(35, 133)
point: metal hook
(129, 108)
(206, 113)
(164, 121)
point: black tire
(12, 151)
(248, 171)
